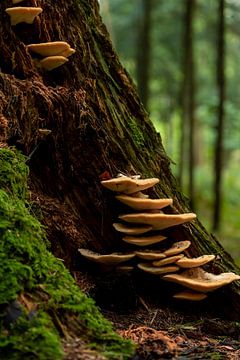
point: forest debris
(158, 221)
(200, 280)
(144, 240)
(110, 259)
(177, 248)
(52, 62)
(152, 344)
(190, 295)
(132, 230)
(143, 203)
(23, 14)
(49, 48)
(157, 270)
(186, 262)
(128, 185)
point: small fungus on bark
(177, 248)
(145, 203)
(144, 240)
(128, 185)
(49, 48)
(23, 14)
(110, 259)
(150, 254)
(168, 260)
(157, 270)
(195, 262)
(131, 230)
(190, 295)
(52, 62)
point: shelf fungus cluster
(171, 263)
(52, 54)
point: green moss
(136, 133)
(28, 267)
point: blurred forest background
(184, 58)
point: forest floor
(164, 332)
(180, 341)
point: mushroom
(150, 254)
(157, 270)
(190, 295)
(129, 185)
(144, 240)
(196, 262)
(143, 203)
(177, 248)
(168, 260)
(17, 1)
(68, 52)
(49, 48)
(132, 230)
(200, 280)
(158, 221)
(124, 268)
(23, 14)
(52, 62)
(111, 259)
(140, 195)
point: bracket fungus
(137, 203)
(190, 295)
(195, 262)
(17, 1)
(171, 261)
(23, 14)
(157, 270)
(177, 248)
(49, 48)
(136, 230)
(150, 254)
(52, 62)
(128, 185)
(168, 260)
(200, 280)
(158, 221)
(144, 240)
(110, 259)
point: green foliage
(28, 267)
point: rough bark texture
(98, 125)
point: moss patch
(39, 285)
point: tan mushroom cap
(140, 195)
(129, 185)
(200, 280)
(150, 254)
(190, 295)
(49, 48)
(157, 270)
(131, 230)
(124, 268)
(158, 221)
(23, 14)
(68, 52)
(17, 1)
(177, 248)
(111, 259)
(144, 240)
(195, 262)
(144, 204)
(52, 62)
(168, 260)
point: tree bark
(144, 51)
(97, 125)
(219, 146)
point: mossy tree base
(39, 300)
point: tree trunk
(97, 125)
(219, 147)
(144, 51)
